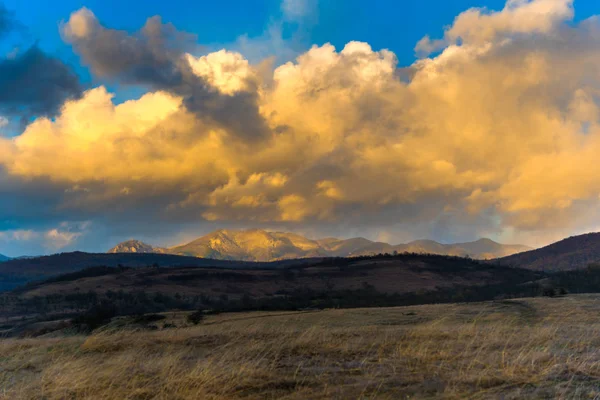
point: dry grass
(536, 348)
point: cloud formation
(33, 83)
(498, 129)
(156, 57)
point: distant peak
(485, 240)
(135, 246)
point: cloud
(297, 9)
(18, 235)
(33, 84)
(66, 234)
(519, 17)
(284, 38)
(156, 56)
(150, 56)
(498, 132)
(7, 21)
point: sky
(395, 121)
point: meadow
(510, 349)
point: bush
(562, 291)
(148, 318)
(97, 316)
(196, 317)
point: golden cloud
(504, 118)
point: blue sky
(396, 25)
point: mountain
(343, 248)
(261, 245)
(135, 246)
(251, 245)
(488, 249)
(4, 258)
(575, 252)
(481, 249)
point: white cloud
(297, 9)
(66, 234)
(20, 235)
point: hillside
(4, 258)
(261, 245)
(17, 272)
(339, 282)
(575, 252)
(389, 275)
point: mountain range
(4, 258)
(261, 245)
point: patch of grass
(530, 348)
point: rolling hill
(575, 252)
(364, 280)
(261, 245)
(19, 271)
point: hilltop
(575, 252)
(261, 245)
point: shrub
(148, 318)
(97, 316)
(196, 317)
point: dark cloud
(150, 56)
(155, 57)
(7, 21)
(34, 83)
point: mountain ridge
(574, 252)
(262, 245)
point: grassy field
(514, 349)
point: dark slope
(573, 253)
(19, 271)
